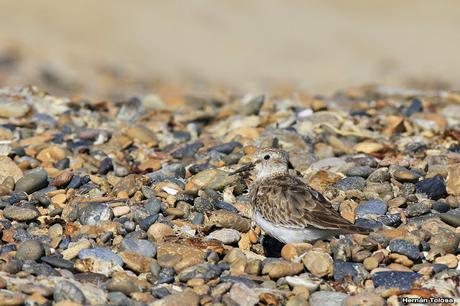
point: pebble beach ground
(130, 202)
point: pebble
(94, 214)
(327, 298)
(279, 268)
(67, 291)
(370, 208)
(434, 188)
(201, 271)
(8, 168)
(215, 179)
(243, 295)
(351, 183)
(32, 181)
(226, 235)
(346, 269)
(139, 246)
(318, 263)
(21, 213)
(30, 250)
(406, 248)
(395, 279)
(102, 254)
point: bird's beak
(245, 168)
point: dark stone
(450, 219)
(203, 271)
(198, 218)
(62, 164)
(146, 222)
(368, 223)
(138, 246)
(225, 205)
(226, 148)
(166, 275)
(393, 220)
(441, 207)
(404, 247)
(105, 166)
(418, 209)
(416, 106)
(58, 262)
(371, 207)
(65, 290)
(93, 214)
(351, 183)
(196, 168)
(361, 171)
(343, 269)
(434, 188)
(395, 279)
(187, 151)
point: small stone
(293, 251)
(159, 231)
(11, 298)
(32, 181)
(227, 219)
(94, 214)
(142, 134)
(73, 250)
(351, 183)
(453, 179)
(215, 179)
(451, 219)
(139, 246)
(415, 107)
(243, 295)
(327, 298)
(362, 171)
(185, 298)
(30, 250)
(445, 239)
(364, 299)
(370, 208)
(226, 148)
(343, 269)
(21, 213)
(279, 268)
(103, 254)
(450, 260)
(136, 262)
(65, 290)
(201, 271)
(371, 263)
(404, 175)
(318, 263)
(395, 279)
(226, 235)
(368, 147)
(304, 281)
(8, 168)
(434, 187)
(406, 248)
(418, 209)
(379, 176)
(10, 109)
(120, 211)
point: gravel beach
(130, 203)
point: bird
(288, 209)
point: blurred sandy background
(108, 48)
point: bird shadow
(272, 247)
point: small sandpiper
(286, 208)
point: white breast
(289, 234)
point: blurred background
(110, 49)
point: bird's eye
(267, 157)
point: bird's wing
(288, 201)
